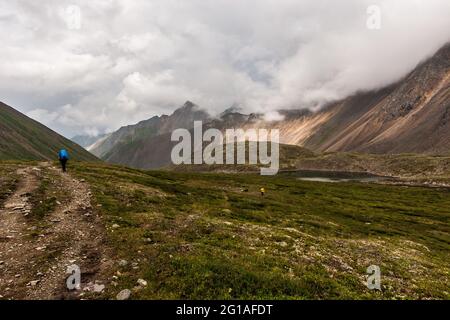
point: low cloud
(123, 61)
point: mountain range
(409, 116)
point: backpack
(63, 155)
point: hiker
(263, 192)
(63, 157)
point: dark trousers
(63, 164)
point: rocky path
(14, 248)
(34, 257)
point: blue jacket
(63, 155)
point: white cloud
(130, 60)
(273, 116)
(43, 116)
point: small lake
(334, 176)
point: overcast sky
(116, 62)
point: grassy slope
(200, 236)
(26, 139)
(288, 155)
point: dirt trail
(34, 266)
(14, 248)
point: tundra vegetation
(212, 236)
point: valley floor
(168, 235)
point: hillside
(411, 116)
(289, 158)
(118, 145)
(22, 138)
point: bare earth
(34, 266)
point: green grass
(42, 201)
(45, 198)
(199, 236)
(8, 181)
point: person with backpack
(63, 156)
(263, 192)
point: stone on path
(124, 295)
(142, 282)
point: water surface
(334, 176)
